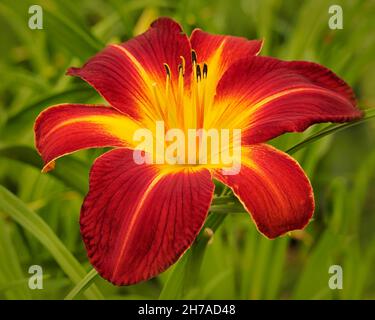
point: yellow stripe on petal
(118, 126)
(63, 129)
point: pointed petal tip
(49, 167)
(72, 71)
(272, 235)
(283, 96)
(63, 129)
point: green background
(39, 212)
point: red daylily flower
(137, 220)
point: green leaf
(21, 122)
(11, 271)
(13, 207)
(69, 35)
(185, 273)
(69, 170)
(313, 281)
(330, 129)
(82, 285)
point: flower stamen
(193, 57)
(205, 70)
(157, 101)
(167, 84)
(167, 70)
(180, 95)
(199, 74)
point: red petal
(164, 42)
(273, 188)
(268, 97)
(124, 75)
(63, 129)
(219, 53)
(231, 48)
(112, 73)
(136, 220)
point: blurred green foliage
(39, 213)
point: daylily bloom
(138, 219)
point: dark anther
(205, 70)
(199, 72)
(180, 69)
(167, 70)
(193, 56)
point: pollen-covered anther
(193, 57)
(180, 71)
(167, 70)
(205, 70)
(199, 73)
(181, 66)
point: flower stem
(82, 285)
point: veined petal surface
(267, 97)
(65, 128)
(273, 188)
(138, 220)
